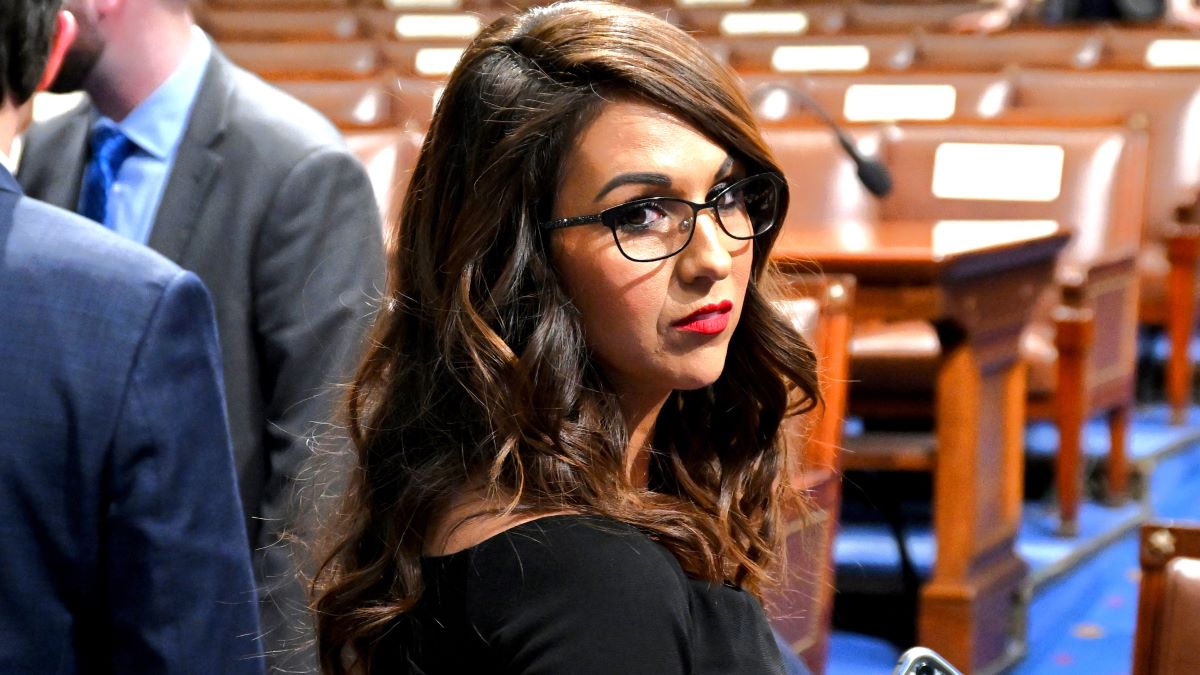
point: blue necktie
(110, 149)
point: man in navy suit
(122, 543)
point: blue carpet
(1152, 435)
(1085, 622)
(1083, 612)
(852, 654)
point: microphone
(872, 173)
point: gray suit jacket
(270, 210)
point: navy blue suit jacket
(122, 543)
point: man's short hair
(26, 29)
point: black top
(581, 595)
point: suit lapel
(49, 173)
(196, 164)
(8, 183)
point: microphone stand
(873, 174)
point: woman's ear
(64, 35)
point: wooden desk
(978, 289)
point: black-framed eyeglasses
(655, 228)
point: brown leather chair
(897, 17)
(824, 19)
(974, 95)
(1168, 618)
(348, 59)
(432, 5)
(389, 156)
(414, 100)
(801, 607)
(1066, 49)
(822, 181)
(1170, 254)
(350, 104)
(1081, 346)
(317, 25)
(383, 23)
(426, 59)
(823, 189)
(1128, 48)
(842, 53)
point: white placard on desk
(423, 4)
(820, 58)
(1173, 54)
(894, 102)
(714, 3)
(437, 60)
(764, 23)
(415, 26)
(998, 172)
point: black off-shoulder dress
(580, 595)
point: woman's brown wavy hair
(478, 369)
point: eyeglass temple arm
(570, 222)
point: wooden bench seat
(718, 22)
(817, 53)
(1081, 346)
(389, 156)
(317, 25)
(343, 59)
(1064, 49)
(1151, 49)
(877, 97)
(903, 18)
(801, 608)
(1169, 260)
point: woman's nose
(708, 255)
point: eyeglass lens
(650, 229)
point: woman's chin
(699, 379)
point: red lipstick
(708, 320)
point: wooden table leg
(1074, 335)
(1118, 455)
(1183, 252)
(970, 608)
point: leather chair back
(1068, 50)
(1168, 619)
(897, 96)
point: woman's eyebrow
(725, 168)
(656, 179)
(639, 178)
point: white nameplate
(764, 23)
(890, 102)
(998, 172)
(412, 26)
(815, 58)
(437, 60)
(714, 3)
(1173, 54)
(423, 4)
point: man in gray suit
(256, 194)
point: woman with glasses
(568, 424)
